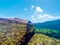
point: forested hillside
(50, 24)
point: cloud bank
(43, 18)
(40, 16)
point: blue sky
(33, 10)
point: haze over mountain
(13, 20)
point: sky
(37, 11)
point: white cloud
(25, 9)
(38, 9)
(39, 15)
(43, 17)
(33, 18)
(32, 7)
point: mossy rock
(40, 39)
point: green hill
(40, 39)
(50, 28)
(50, 25)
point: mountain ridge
(55, 24)
(13, 20)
